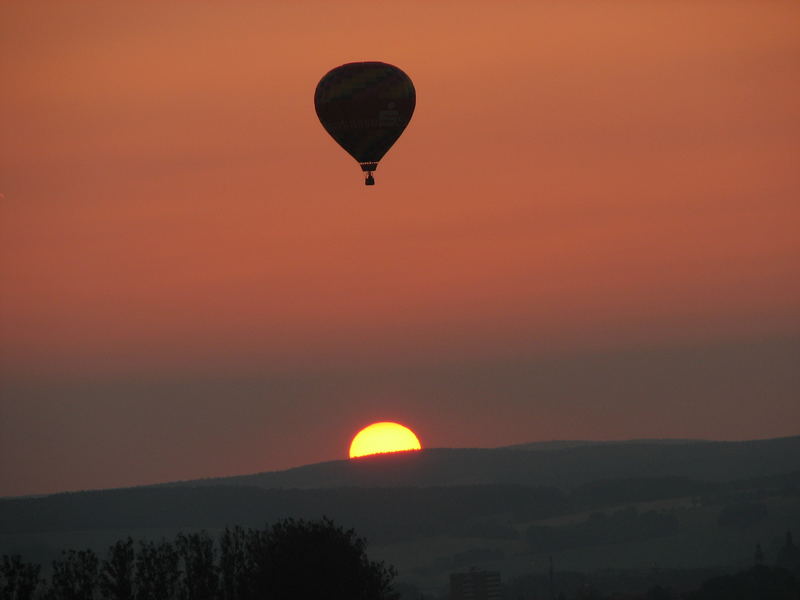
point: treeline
(626, 525)
(384, 515)
(289, 559)
(381, 514)
(756, 583)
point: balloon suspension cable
(370, 180)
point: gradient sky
(589, 230)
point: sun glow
(383, 437)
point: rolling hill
(591, 505)
(564, 465)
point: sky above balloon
(589, 230)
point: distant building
(789, 555)
(475, 585)
(758, 557)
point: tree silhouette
(198, 579)
(75, 576)
(117, 571)
(157, 571)
(757, 583)
(316, 559)
(18, 580)
(289, 560)
(235, 564)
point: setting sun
(383, 437)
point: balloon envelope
(365, 106)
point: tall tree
(75, 576)
(157, 571)
(18, 580)
(198, 579)
(317, 559)
(235, 564)
(117, 571)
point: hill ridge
(561, 467)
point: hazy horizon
(522, 447)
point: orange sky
(583, 181)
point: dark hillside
(564, 468)
(382, 513)
(615, 505)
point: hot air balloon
(365, 106)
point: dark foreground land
(631, 518)
(318, 559)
